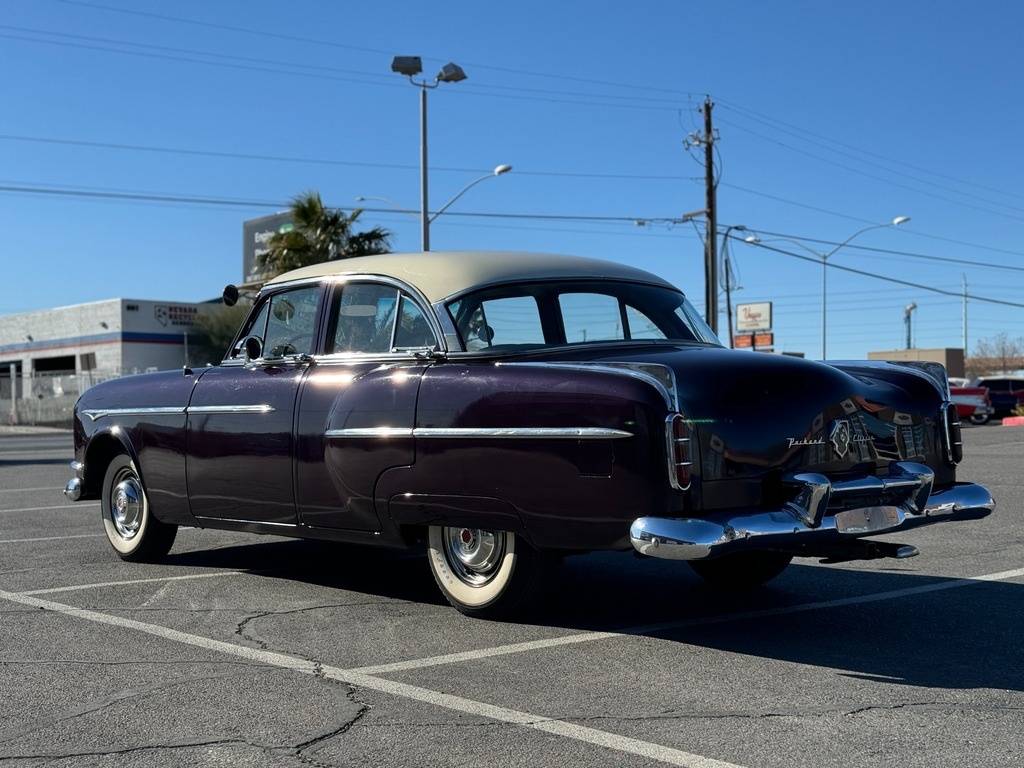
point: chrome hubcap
(126, 504)
(473, 553)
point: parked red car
(972, 403)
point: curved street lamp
(498, 171)
(895, 222)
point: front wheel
(980, 418)
(133, 531)
(743, 570)
(481, 572)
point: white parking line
(587, 637)
(581, 733)
(77, 505)
(55, 538)
(77, 587)
(28, 490)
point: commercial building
(49, 356)
(951, 357)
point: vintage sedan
(502, 410)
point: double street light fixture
(411, 66)
(754, 240)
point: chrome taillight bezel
(678, 451)
(952, 433)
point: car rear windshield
(530, 316)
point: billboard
(753, 317)
(255, 235)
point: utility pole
(964, 278)
(711, 239)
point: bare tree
(997, 354)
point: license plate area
(868, 519)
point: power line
(465, 91)
(762, 118)
(364, 49)
(387, 78)
(277, 205)
(915, 232)
(892, 252)
(317, 160)
(877, 276)
(884, 180)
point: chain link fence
(46, 399)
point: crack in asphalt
(10, 734)
(362, 708)
(240, 628)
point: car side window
(291, 322)
(363, 318)
(256, 327)
(502, 322)
(641, 326)
(590, 317)
(413, 330)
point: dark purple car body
(654, 437)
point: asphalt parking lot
(246, 650)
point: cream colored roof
(440, 274)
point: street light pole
(424, 206)
(410, 66)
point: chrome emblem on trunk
(840, 437)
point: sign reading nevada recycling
(756, 316)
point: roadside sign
(753, 340)
(756, 316)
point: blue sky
(866, 110)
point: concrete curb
(1013, 421)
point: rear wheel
(744, 570)
(482, 572)
(133, 531)
(980, 418)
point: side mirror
(230, 295)
(252, 348)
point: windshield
(530, 316)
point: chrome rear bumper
(784, 529)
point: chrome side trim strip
(262, 408)
(99, 413)
(379, 432)
(534, 433)
(484, 433)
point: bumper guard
(808, 525)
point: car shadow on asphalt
(31, 462)
(963, 637)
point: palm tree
(317, 234)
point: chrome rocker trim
(484, 433)
(784, 530)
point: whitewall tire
(482, 572)
(132, 530)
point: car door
(357, 406)
(240, 445)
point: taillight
(951, 434)
(679, 450)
